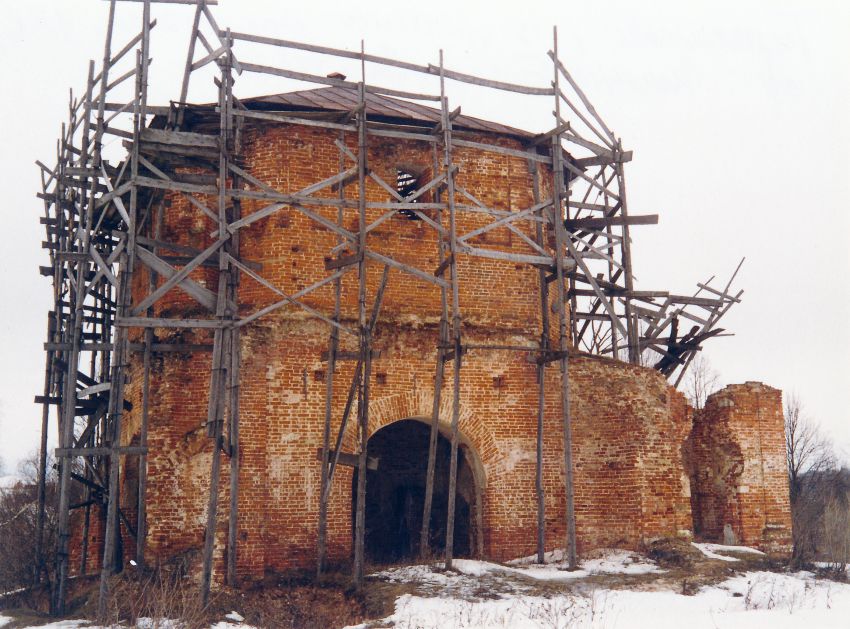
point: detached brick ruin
(297, 291)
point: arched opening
(395, 494)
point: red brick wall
(629, 426)
(739, 476)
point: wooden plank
(179, 138)
(72, 452)
(180, 278)
(422, 275)
(545, 138)
(576, 224)
(339, 355)
(94, 389)
(513, 257)
(707, 302)
(46, 399)
(172, 347)
(492, 148)
(324, 50)
(514, 216)
(445, 264)
(560, 66)
(154, 322)
(350, 460)
(725, 296)
(342, 261)
(285, 119)
(498, 85)
(324, 80)
(604, 160)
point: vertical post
(141, 503)
(235, 353)
(233, 449)
(121, 345)
(333, 347)
(631, 320)
(69, 396)
(541, 373)
(559, 190)
(222, 340)
(442, 343)
(456, 321)
(365, 345)
(42, 455)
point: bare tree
(701, 381)
(18, 526)
(806, 447)
(815, 485)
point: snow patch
(711, 551)
(753, 599)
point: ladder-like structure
(103, 223)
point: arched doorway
(395, 494)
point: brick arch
(474, 437)
(473, 433)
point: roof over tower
(378, 106)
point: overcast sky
(737, 113)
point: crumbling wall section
(739, 469)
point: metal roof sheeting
(377, 105)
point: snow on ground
(482, 595)
(754, 599)
(61, 624)
(472, 578)
(711, 551)
(141, 623)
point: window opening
(406, 184)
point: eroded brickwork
(630, 428)
(739, 476)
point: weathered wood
(350, 460)
(562, 240)
(576, 224)
(560, 67)
(376, 353)
(156, 322)
(99, 451)
(501, 150)
(180, 278)
(336, 52)
(602, 160)
(180, 138)
(364, 340)
(295, 120)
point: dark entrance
(395, 494)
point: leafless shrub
(701, 381)
(820, 491)
(19, 529)
(164, 598)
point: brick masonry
(739, 479)
(637, 452)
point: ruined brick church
(646, 465)
(337, 323)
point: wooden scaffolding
(103, 221)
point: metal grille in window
(406, 185)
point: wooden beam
(350, 460)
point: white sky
(737, 113)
